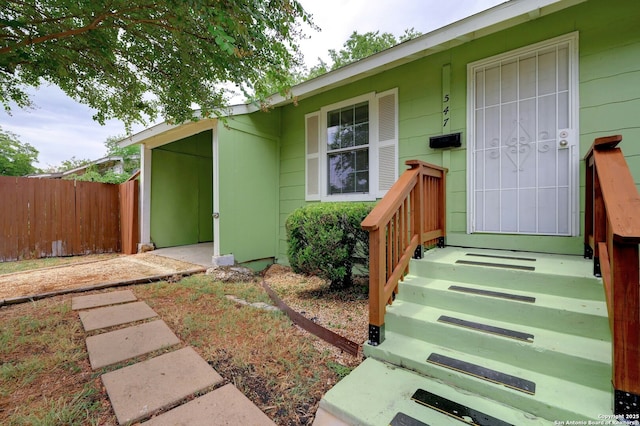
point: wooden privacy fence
(411, 215)
(612, 235)
(51, 217)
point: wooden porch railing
(612, 235)
(411, 215)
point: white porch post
(145, 196)
(217, 259)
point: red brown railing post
(588, 209)
(599, 221)
(626, 324)
(398, 226)
(377, 278)
(442, 214)
(418, 219)
(611, 216)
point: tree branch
(72, 32)
(55, 36)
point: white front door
(523, 141)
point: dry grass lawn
(45, 377)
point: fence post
(129, 229)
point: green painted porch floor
(529, 318)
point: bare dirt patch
(76, 275)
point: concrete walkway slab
(109, 316)
(139, 390)
(224, 406)
(102, 299)
(120, 345)
(198, 254)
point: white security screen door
(522, 141)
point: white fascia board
(492, 20)
(164, 133)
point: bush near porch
(326, 239)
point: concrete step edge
(554, 398)
(376, 391)
(548, 339)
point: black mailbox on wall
(445, 141)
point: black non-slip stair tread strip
(402, 419)
(497, 265)
(494, 256)
(491, 293)
(455, 410)
(480, 372)
(504, 332)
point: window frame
(323, 152)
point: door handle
(564, 138)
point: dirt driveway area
(85, 274)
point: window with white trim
(352, 148)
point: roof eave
(498, 18)
(164, 133)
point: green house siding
(610, 79)
(182, 192)
(248, 173)
(609, 95)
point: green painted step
(375, 392)
(554, 398)
(563, 314)
(559, 275)
(465, 320)
(587, 361)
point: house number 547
(445, 111)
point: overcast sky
(60, 128)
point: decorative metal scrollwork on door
(518, 146)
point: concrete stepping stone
(102, 299)
(224, 406)
(120, 345)
(109, 316)
(141, 389)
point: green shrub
(325, 239)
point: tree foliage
(16, 158)
(359, 46)
(71, 163)
(130, 155)
(130, 59)
(93, 175)
(113, 147)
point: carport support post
(145, 197)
